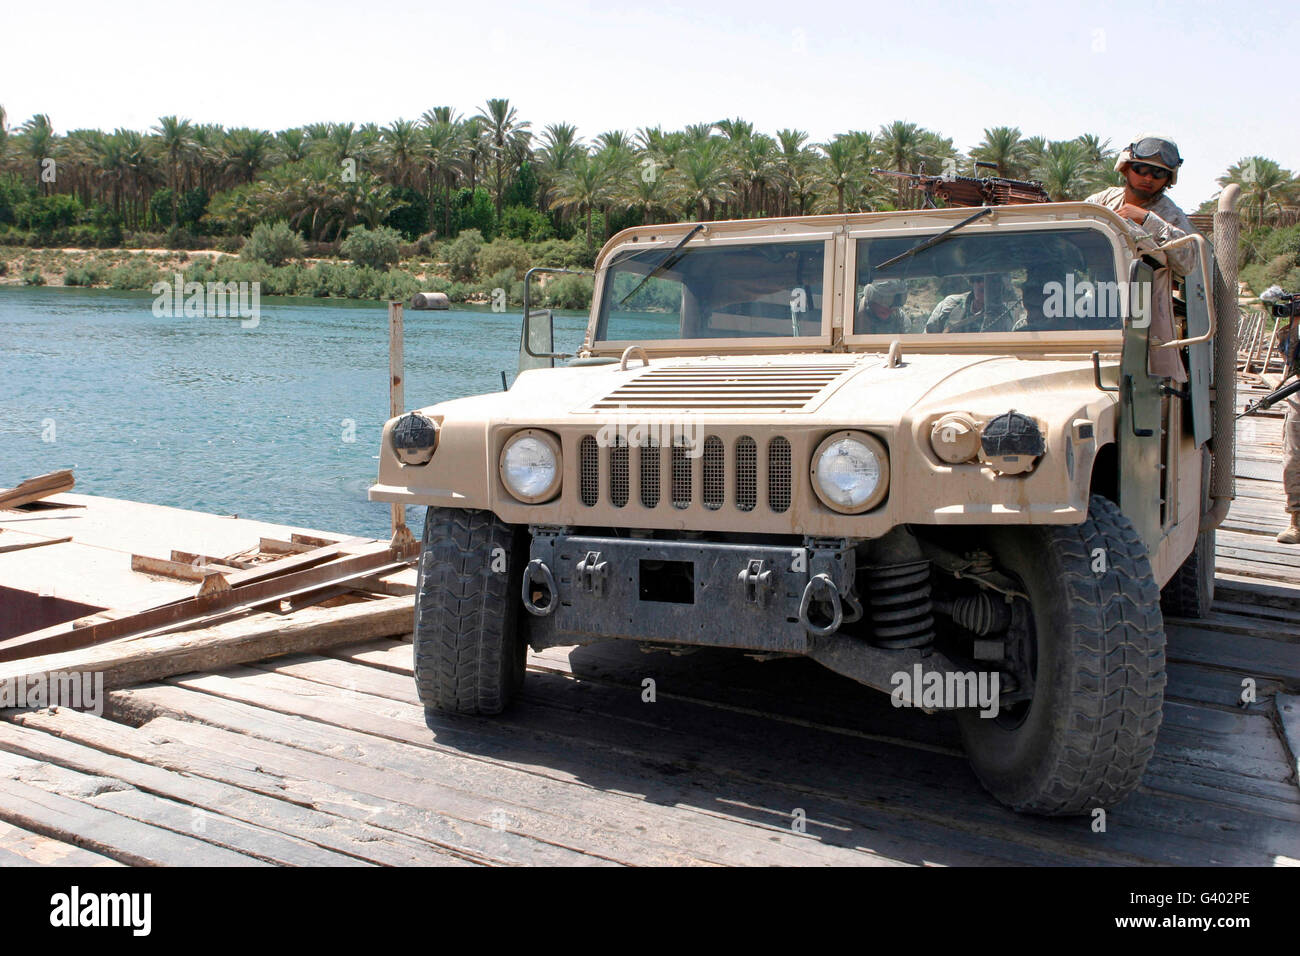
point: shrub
(568, 292)
(379, 248)
(230, 243)
(503, 254)
(273, 243)
(87, 275)
(137, 274)
(520, 222)
(33, 277)
(462, 255)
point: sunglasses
(1146, 169)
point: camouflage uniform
(1291, 447)
(954, 314)
(866, 322)
(1164, 222)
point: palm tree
(176, 141)
(292, 145)
(795, 168)
(704, 179)
(38, 144)
(841, 171)
(1266, 185)
(900, 144)
(586, 185)
(4, 137)
(444, 153)
(560, 144)
(504, 130)
(247, 152)
(399, 148)
(1003, 147)
(1065, 171)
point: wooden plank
(1253, 656)
(610, 826)
(836, 776)
(96, 746)
(255, 842)
(175, 569)
(131, 662)
(247, 590)
(104, 832)
(34, 489)
(418, 807)
(40, 543)
(37, 850)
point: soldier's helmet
(889, 291)
(1154, 151)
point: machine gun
(970, 191)
(1272, 398)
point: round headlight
(530, 466)
(850, 472)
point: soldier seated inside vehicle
(880, 308)
(1065, 277)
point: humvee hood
(854, 388)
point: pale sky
(1211, 75)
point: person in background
(879, 308)
(1149, 167)
(1291, 423)
(971, 311)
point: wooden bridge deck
(326, 759)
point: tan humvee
(960, 456)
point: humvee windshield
(986, 281)
(733, 291)
(1029, 281)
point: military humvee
(995, 494)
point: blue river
(280, 422)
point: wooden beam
(19, 546)
(152, 658)
(245, 592)
(33, 489)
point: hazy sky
(1211, 75)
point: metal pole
(396, 396)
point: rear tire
(1087, 734)
(469, 652)
(1190, 592)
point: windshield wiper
(668, 262)
(933, 240)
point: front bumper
(755, 597)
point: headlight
(850, 472)
(530, 466)
(415, 438)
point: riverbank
(137, 270)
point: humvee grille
(685, 488)
(650, 464)
(681, 475)
(711, 387)
(746, 473)
(618, 472)
(589, 486)
(778, 474)
(715, 479)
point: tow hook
(821, 582)
(538, 572)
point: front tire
(1085, 737)
(469, 652)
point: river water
(280, 422)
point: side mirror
(537, 338)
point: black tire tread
(1105, 733)
(468, 654)
(1190, 592)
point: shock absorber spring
(900, 606)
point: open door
(1140, 431)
